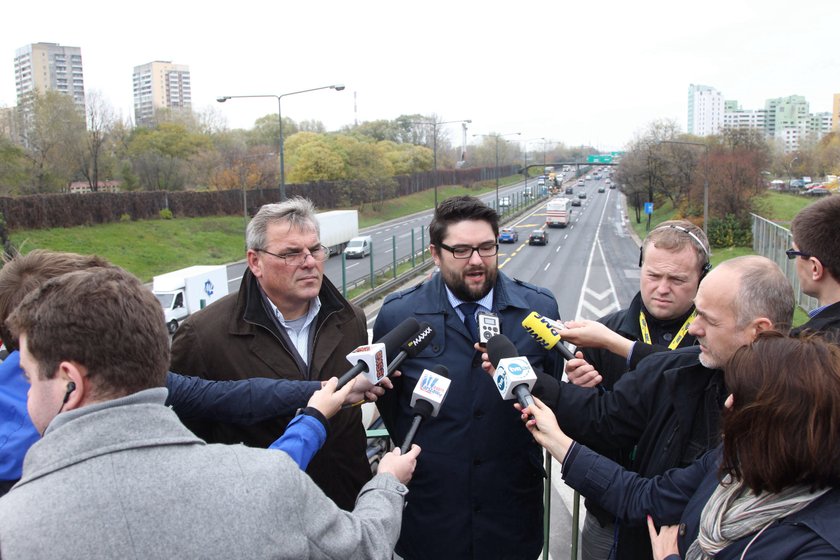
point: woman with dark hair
(771, 490)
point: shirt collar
(314, 308)
(484, 304)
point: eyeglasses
(793, 253)
(466, 252)
(319, 253)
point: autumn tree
(161, 156)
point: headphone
(71, 386)
(707, 266)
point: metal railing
(772, 240)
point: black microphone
(514, 376)
(426, 399)
(371, 358)
(413, 346)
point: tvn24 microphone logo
(513, 367)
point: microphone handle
(400, 358)
(412, 431)
(348, 377)
(565, 352)
(523, 395)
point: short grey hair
(763, 291)
(297, 211)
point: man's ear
(435, 254)
(81, 388)
(762, 324)
(817, 269)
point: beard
(456, 281)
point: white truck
(338, 227)
(187, 290)
(557, 212)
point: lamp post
(705, 178)
(497, 136)
(790, 169)
(435, 124)
(222, 99)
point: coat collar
(437, 302)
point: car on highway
(538, 237)
(508, 235)
(504, 202)
(612, 185)
(575, 202)
(582, 194)
(601, 189)
(570, 190)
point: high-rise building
(42, 67)
(160, 85)
(705, 110)
(835, 113)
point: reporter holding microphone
(771, 490)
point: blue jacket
(17, 433)
(243, 402)
(477, 488)
(679, 495)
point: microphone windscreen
(395, 338)
(422, 337)
(500, 347)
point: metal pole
(434, 133)
(282, 167)
(497, 173)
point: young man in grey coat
(117, 475)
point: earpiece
(71, 386)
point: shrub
(125, 217)
(165, 214)
(730, 231)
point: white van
(358, 247)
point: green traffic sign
(599, 159)
(616, 154)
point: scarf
(733, 512)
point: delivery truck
(185, 291)
(338, 227)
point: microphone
(426, 399)
(514, 376)
(547, 333)
(372, 359)
(412, 347)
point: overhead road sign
(599, 159)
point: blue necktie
(468, 309)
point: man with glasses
(286, 321)
(815, 240)
(477, 489)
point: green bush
(125, 217)
(165, 214)
(730, 231)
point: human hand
(327, 400)
(582, 373)
(541, 422)
(486, 365)
(399, 465)
(592, 334)
(365, 391)
(664, 543)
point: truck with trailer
(338, 227)
(557, 212)
(185, 291)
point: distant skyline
(594, 74)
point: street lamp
(222, 99)
(705, 178)
(497, 136)
(435, 124)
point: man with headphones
(673, 258)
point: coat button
(478, 413)
(682, 529)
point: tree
(52, 130)
(13, 165)
(91, 155)
(160, 156)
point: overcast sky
(593, 73)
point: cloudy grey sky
(576, 72)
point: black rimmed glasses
(319, 253)
(793, 253)
(466, 251)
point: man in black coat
(668, 409)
